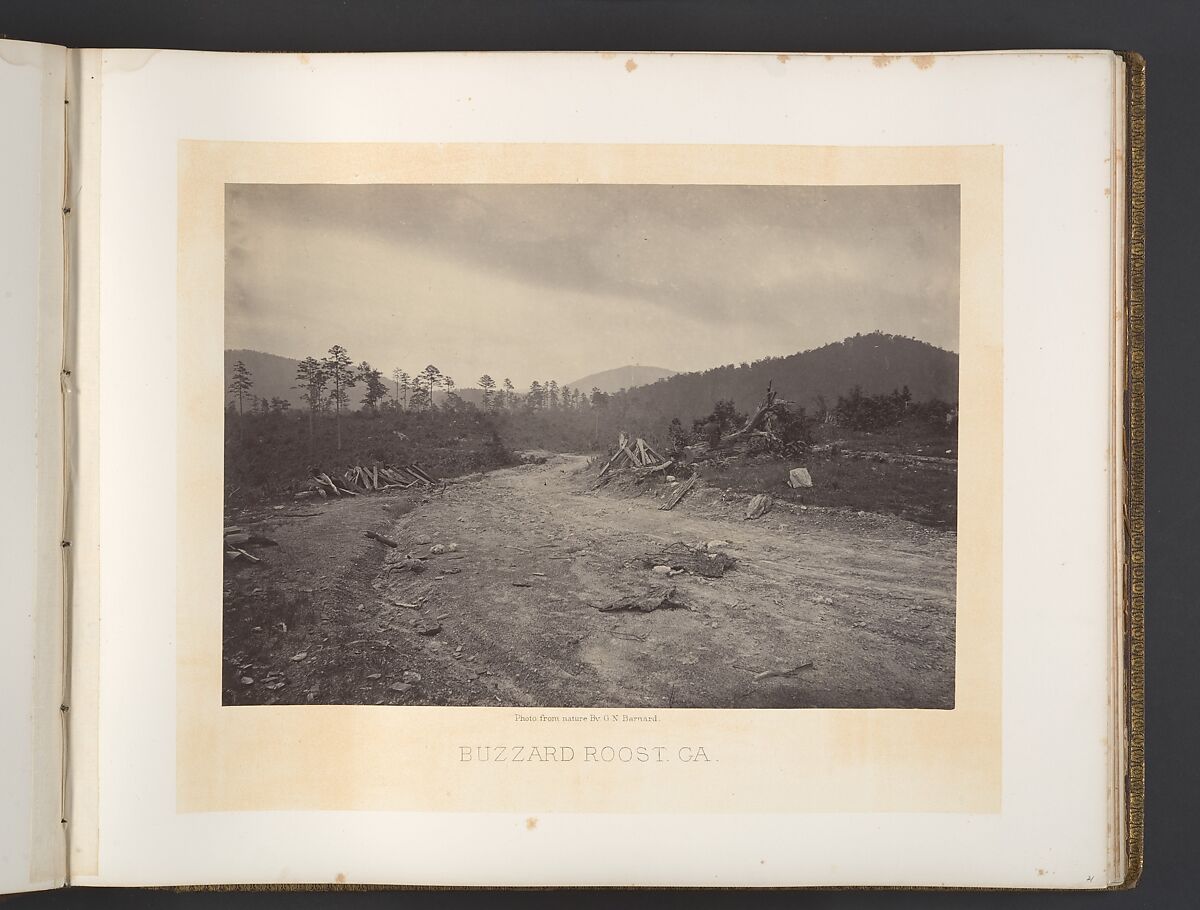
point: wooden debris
(695, 560)
(681, 491)
(384, 540)
(792, 671)
(631, 454)
(655, 599)
(628, 636)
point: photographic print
(591, 445)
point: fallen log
(379, 537)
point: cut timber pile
(359, 480)
(637, 455)
(640, 460)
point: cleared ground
(851, 609)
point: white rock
(799, 477)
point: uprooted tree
(776, 425)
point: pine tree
(431, 377)
(376, 389)
(240, 387)
(535, 397)
(510, 394)
(488, 384)
(312, 382)
(340, 370)
(453, 400)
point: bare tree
(401, 379)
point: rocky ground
(825, 607)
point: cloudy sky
(560, 281)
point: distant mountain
(627, 377)
(876, 362)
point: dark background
(1165, 32)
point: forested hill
(273, 376)
(876, 362)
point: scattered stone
(247, 680)
(799, 477)
(424, 541)
(662, 570)
(400, 687)
(412, 677)
(429, 627)
(452, 547)
(300, 656)
(759, 506)
(716, 545)
(374, 675)
(437, 549)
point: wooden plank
(681, 492)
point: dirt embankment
(825, 608)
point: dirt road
(862, 604)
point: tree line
(325, 385)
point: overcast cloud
(560, 281)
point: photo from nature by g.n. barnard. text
(646, 446)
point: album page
(508, 458)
